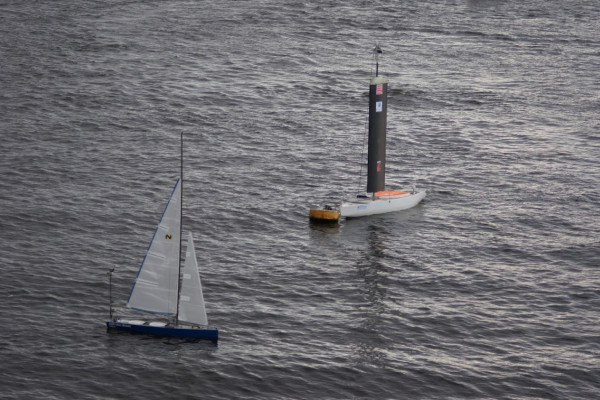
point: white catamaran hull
(380, 205)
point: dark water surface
(488, 289)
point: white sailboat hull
(380, 205)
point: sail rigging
(191, 299)
(156, 285)
(165, 286)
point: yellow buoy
(324, 214)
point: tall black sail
(377, 133)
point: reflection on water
(372, 269)
(329, 227)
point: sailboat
(377, 199)
(169, 297)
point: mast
(377, 129)
(180, 227)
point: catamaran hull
(171, 331)
(380, 205)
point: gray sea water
(488, 289)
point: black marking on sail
(377, 136)
(168, 236)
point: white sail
(155, 288)
(191, 300)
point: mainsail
(156, 285)
(191, 300)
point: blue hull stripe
(212, 334)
